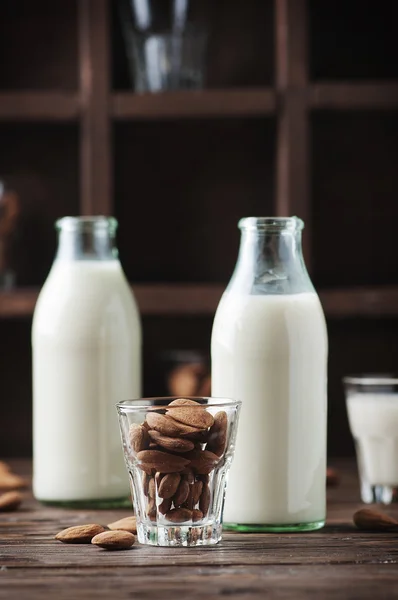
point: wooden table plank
(337, 562)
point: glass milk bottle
(269, 349)
(86, 342)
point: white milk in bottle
(269, 350)
(86, 342)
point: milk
(86, 357)
(373, 420)
(270, 351)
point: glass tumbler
(178, 452)
(372, 406)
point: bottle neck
(270, 259)
(86, 238)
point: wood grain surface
(337, 562)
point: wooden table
(337, 562)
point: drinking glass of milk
(86, 342)
(372, 406)
(269, 350)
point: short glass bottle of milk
(86, 342)
(269, 349)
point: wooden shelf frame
(95, 106)
(201, 299)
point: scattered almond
(80, 534)
(10, 501)
(114, 540)
(127, 524)
(373, 520)
(332, 477)
(10, 481)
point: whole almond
(204, 501)
(165, 425)
(196, 491)
(182, 493)
(10, 481)
(174, 444)
(161, 461)
(152, 488)
(187, 473)
(127, 524)
(4, 467)
(197, 515)
(10, 501)
(151, 509)
(189, 501)
(332, 477)
(80, 534)
(169, 485)
(202, 461)
(373, 520)
(145, 483)
(184, 402)
(138, 437)
(114, 540)
(179, 515)
(165, 506)
(190, 413)
(218, 434)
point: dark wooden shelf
(250, 102)
(166, 299)
(39, 106)
(244, 102)
(345, 96)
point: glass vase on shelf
(269, 350)
(165, 47)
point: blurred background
(179, 121)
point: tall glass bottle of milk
(269, 349)
(86, 341)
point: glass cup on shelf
(372, 406)
(178, 452)
(165, 48)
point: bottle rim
(98, 222)
(271, 224)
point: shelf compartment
(354, 198)
(38, 45)
(180, 189)
(352, 41)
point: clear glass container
(372, 406)
(86, 342)
(269, 350)
(166, 49)
(178, 452)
